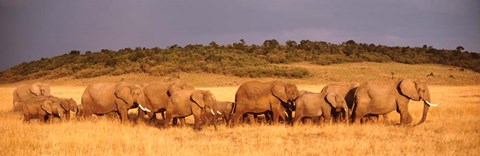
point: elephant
(379, 97)
(104, 98)
(224, 111)
(319, 105)
(42, 107)
(347, 91)
(157, 95)
(190, 102)
(260, 97)
(26, 91)
(68, 104)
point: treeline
(237, 59)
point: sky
(32, 29)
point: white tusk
(432, 104)
(219, 113)
(212, 112)
(143, 108)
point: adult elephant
(190, 102)
(379, 97)
(347, 92)
(260, 97)
(27, 91)
(319, 105)
(104, 98)
(157, 95)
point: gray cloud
(33, 29)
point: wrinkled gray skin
(43, 108)
(319, 105)
(104, 98)
(157, 95)
(260, 97)
(27, 91)
(190, 102)
(347, 91)
(380, 97)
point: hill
(320, 75)
(271, 59)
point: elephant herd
(278, 101)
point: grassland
(451, 129)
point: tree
(460, 48)
(271, 44)
(351, 42)
(291, 44)
(213, 44)
(74, 52)
(239, 45)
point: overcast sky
(32, 29)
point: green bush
(238, 59)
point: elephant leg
(237, 116)
(359, 113)
(168, 118)
(385, 118)
(298, 117)
(405, 117)
(328, 119)
(268, 116)
(327, 116)
(197, 121)
(153, 117)
(252, 118)
(123, 115)
(175, 121)
(183, 122)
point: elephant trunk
(426, 106)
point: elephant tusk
(219, 112)
(212, 112)
(143, 108)
(432, 104)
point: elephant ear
(331, 99)
(197, 97)
(409, 89)
(64, 104)
(123, 92)
(47, 106)
(35, 89)
(279, 92)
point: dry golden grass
(451, 129)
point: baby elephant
(47, 107)
(223, 110)
(319, 105)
